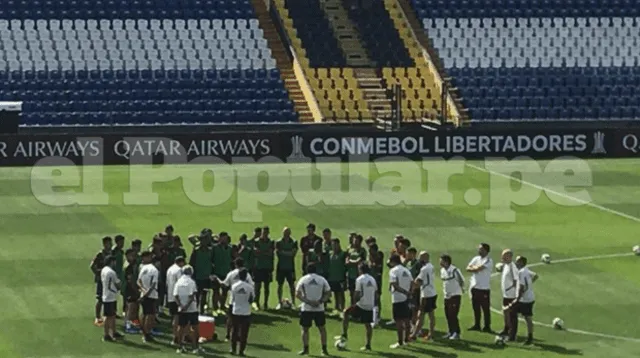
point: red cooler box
(207, 328)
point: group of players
(163, 276)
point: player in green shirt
(202, 262)
(355, 255)
(337, 273)
(264, 253)
(286, 249)
(118, 252)
(222, 262)
(244, 249)
(414, 266)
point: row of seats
(167, 64)
(623, 45)
(201, 75)
(133, 35)
(548, 61)
(553, 102)
(156, 117)
(548, 23)
(143, 84)
(129, 24)
(513, 35)
(126, 45)
(126, 9)
(123, 94)
(541, 113)
(156, 105)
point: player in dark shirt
(306, 245)
(96, 267)
(130, 287)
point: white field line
(557, 193)
(578, 331)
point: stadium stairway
(434, 59)
(323, 62)
(346, 33)
(422, 84)
(283, 62)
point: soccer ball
(636, 250)
(499, 266)
(286, 304)
(500, 340)
(546, 258)
(340, 344)
(558, 323)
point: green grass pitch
(47, 291)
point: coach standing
(509, 284)
(313, 291)
(242, 295)
(480, 284)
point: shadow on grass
(557, 349)
(430, 352)
(269, 318)
(142, 346)
(269, 347)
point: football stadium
(201, 177)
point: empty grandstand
(539, 60)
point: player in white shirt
(313, 291)
(428, 296)
(400, 281)
(525, 299)
(242, 296)
(185, 293)
(365, 297)
(509, 283)
(148, 285)
(232, 278)
(480, 286)
(110, 287)
(453, 287)
(173, 274)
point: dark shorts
(428, 304)
(507, 301)
(188, 319)
(286, 275)
(525, 309)
(263, 275)
(173, 308)
(149, 306)
(351, 284)
(238, 320)
(109, 309)
(337, 286)
(203, 284)
(361, 315)
(132, 295)
(401, 311)
(99, 291)
(309, 318)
